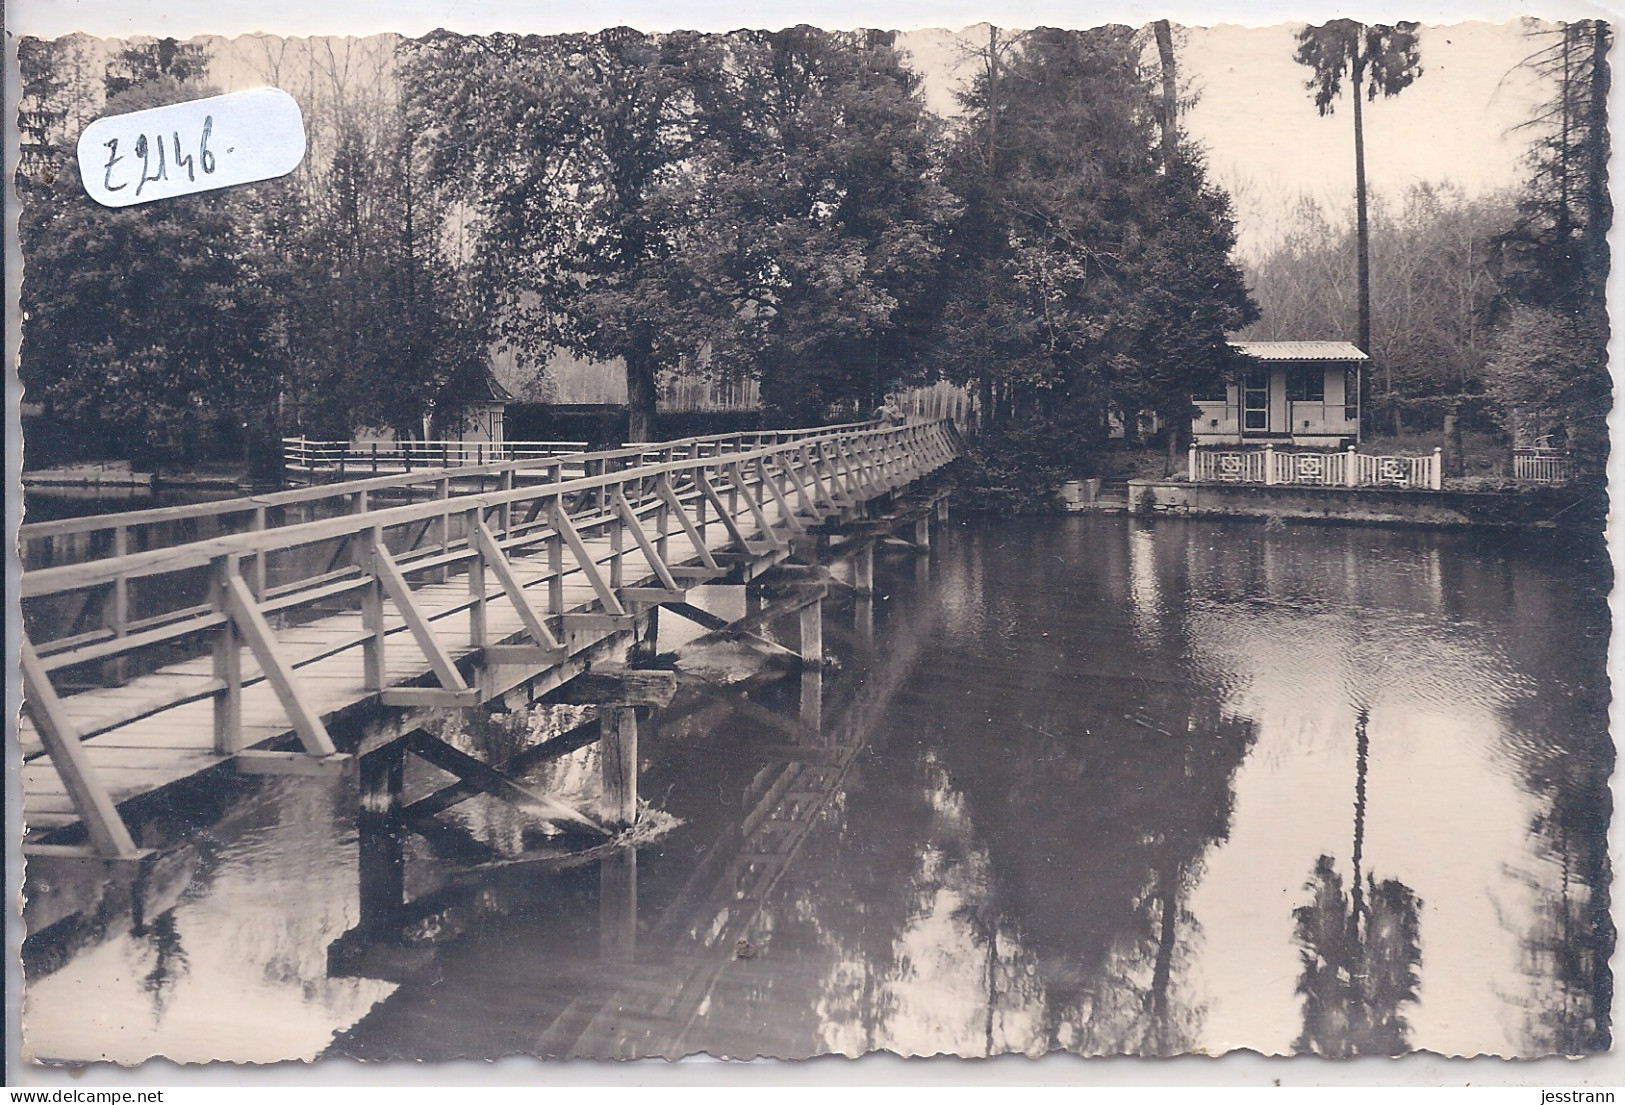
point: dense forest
(781, 208)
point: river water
(1088, 783)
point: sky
(1265, 143)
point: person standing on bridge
(889, 414)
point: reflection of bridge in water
(632, 974)
(262, 637)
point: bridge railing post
(258, 526)
(663, 531)
(617, 549)
(116, 610)
(440, 526)
(476, 582)
(228, 664)
(372, 609)
(507, 507)
(699, 514)
(555, 566)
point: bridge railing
(347, 459)
(213, 596)
(94, 537)
(355, 459)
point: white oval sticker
(191, 147)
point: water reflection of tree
(1135, 1007)
(1104, 778)
(1569, 942)
(1557, 735)
(1361, 962)
(1361, 950)
(1569, 939)
(1095, 837)
(169, 961)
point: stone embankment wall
(1542, 507)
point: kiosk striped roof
(1300, 350)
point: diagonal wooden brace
(756, 513)
(786, 511)
(635, 527)
(108, 834)
(388, 573)
(663, 488)
(486, 542)
(482, 776)
(729, 522)
(245, 615)
(566, 529)
(789, 469)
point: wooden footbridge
(300, 631)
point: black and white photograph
(789, 541)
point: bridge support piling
(812, 634)
(381, 835)
(618, 748)
(812, 699)
(646, 637)
(863, 568)
(618, 692)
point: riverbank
(1534, 507)
(48, 502)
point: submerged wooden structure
(309, 630)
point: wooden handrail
(33, 531)
(72, 577)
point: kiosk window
(1306, 385)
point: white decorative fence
(1344, 469)
(1542, 467)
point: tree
(1091, 272)
(757, 203)
(1549, 372)
(142, 325)
(1548, 376)
(1372, 58)
(821, 234)
(1561, 237)
(1437, 280)
(372, 326)
(61, 90)
(146, 62)
(575, 158)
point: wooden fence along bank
(273, 645)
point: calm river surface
(1087, 783)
